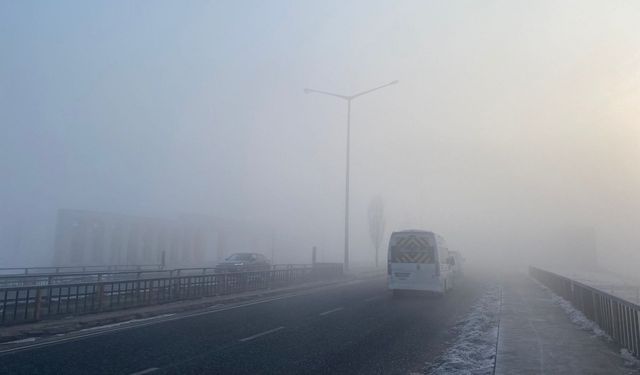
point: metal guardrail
(42, 279)
(17, 271)
(618, 317)
(29, 304)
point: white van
(419, 260)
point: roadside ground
(536, 336)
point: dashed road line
(147, 371)
(331, 311)
(74, 336)
(261, 334)
(370, 299)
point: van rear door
(413, 262)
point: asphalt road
(355, 328)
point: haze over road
(352, 328)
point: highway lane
(353, 328)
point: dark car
(241, 262)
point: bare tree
(376, 223)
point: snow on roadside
(21, 341)
(629, 359)
(474, 350)
(576, 316)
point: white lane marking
(331, 311)
(132, 321)
(75, 337)
(373, 298)
(157, 321)
(154, 322)
(261, 334)
(150, 369)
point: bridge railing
(135, 272)
(33, 303)
(18, 271)
(618, 317)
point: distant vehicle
(242, 262)
(419, 260)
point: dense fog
(512, 130)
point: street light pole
(348, 98)
(346, 193)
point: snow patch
(576, 316)
(629, 359)
(22, 341)
(474, 350)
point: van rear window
(412, 250)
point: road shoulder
(537, 337)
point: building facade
(98, 238)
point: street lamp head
(394, 82)
(306, 91)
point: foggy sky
(510, 120)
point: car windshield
(240, 257)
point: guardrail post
(596, 308)
(36, 313)
(177, 291)
(100, 292)
(243, 276)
